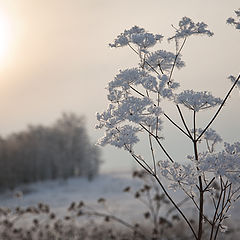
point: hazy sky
(57, 59)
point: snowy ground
(60, 194)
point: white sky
(58, 60)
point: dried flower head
(188, 28)
(197, 101)
(138, 36)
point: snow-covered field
(60, 194)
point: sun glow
(5, 37)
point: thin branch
(175, 205)
(175, 60)
(195, 203)
(159, 143)
(194, 126)
(141, 94)
(208, 147)
(200, 188)
(184, 123)
(201, 213)
(153, 156)
(219, 109)
(135, 90)
(145, 60)
(158, 103)
(225, 203)
(139, 162)
(177, 126)
(179, 204)
(216, 211)
(205, 189)
(147, 168)
(221, 214)
(159, 65)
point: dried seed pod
(81, 204)
(101, 200)
(126, 189)
(137, 195)
(147, 215)
(52, 216)
(72, 206)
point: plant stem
(201, 192)
(159, 143)
(200, 224)
(175, 205)
(219, 109)
(183, 120)
(216, 212)
(152, 151)
(177, 126)
(145, 60)
(175, 60)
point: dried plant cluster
(82, 221)
(135, 108)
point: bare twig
(145, 60)
(219, 109)
(175, 60)
(152, 152)
(189, 136)
(184, 123)
(159, 143)
(175, 205)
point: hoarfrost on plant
(233, 80)
(211, 137)
(225, 163)
(179, 175)
(137, 36)
(187, 28)
(164, 60)
(121, 137)
(197, 101)
(235, 21)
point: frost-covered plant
(136, 108)
(235, 22)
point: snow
(59, 194)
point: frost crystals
(197, 101)
(187, 28)
(235, 22)
(138, 36)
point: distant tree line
(61, 150)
